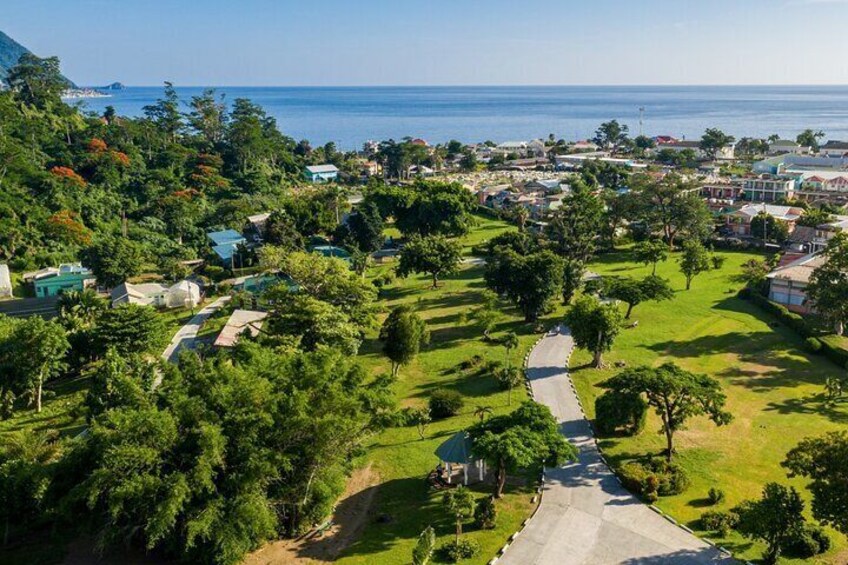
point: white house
(726, 152)
(182, 294)
(5, 281)
(788, 284)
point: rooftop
(319, 169)
(799, 270)
(240, 321)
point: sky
(436, 42)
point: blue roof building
(224, 243)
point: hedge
(796, 323)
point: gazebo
(457, 451)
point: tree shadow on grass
(814, 405)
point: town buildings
(321, 173)
(53, 281)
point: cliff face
(10, 52)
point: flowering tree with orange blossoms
(68, 175)
(65, 226)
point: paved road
(586, 517)
(24, 307)
(186, 336)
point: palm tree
(78, 309)
(522, 214)
(510, 342)
(482, 411)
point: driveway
(586, 517)
(186, 336)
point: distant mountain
(10, 52)
(113, 86)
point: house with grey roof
(321, 173)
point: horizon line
(580, 85)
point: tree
(766, 227)
(230, 455)
(435, 255)
(436, 208)
(25, 471)
(366, 228)
(611, 135)
(459, 505)
(423, 550)
(421, 418)
(130, 328)
(208, 117)
(828, 286)
(775, 519)
(675, 394)
(824, 461)
(313, 323)
(327, 279)
(165, 113)
(119, 381)
(509, 342)
(671, 206)
(509, 378)
(753, 274)
(40, 351)
(594, 326)
(526, 437)
(114, 260)
(809, 138)
(37, 82)
(282, 231)
(531, 281)
(482, 411)
(573, 229)
(651, 252)
(814, 217)
(486, 314)
(713, 141)
(403, 333)
(633, 292)
(694, 261)
(572, 279)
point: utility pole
(641, 118)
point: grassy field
(401, 459)
(774, 389)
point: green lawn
(400, 458)
(774, 389)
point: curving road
(586, 517)
(186, 336)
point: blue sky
(414, 42)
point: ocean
(350, 116)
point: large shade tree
(828, 287)
(403, 333)
(594, 326)
(435, 255)
(526, 437)
(675, 394)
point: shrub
(508, 377)
(445, 403)
(214, 272)
(471, 363)
(672, 478)
(813, 344)
(639, 480)
(718, 261)
(810, 541)
(423, 551)
(715, 495)
(614, 410)
(485, 513)
(457, 550)
(720, 522)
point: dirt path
(348, 521)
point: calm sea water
(351, 115)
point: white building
(783, 146)
(834, 148)
(184, 294)
(239, 323)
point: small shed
(457, 451)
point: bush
(457, 550)
(810, 541)
(214, 272)
(471, 363)
(672, 478)
(485, 513)
(715, 495)
(614, 410)
(639, 480)
(445, 403)
(718, 261)
(813, 345)
(720, 522)
(506, 376)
